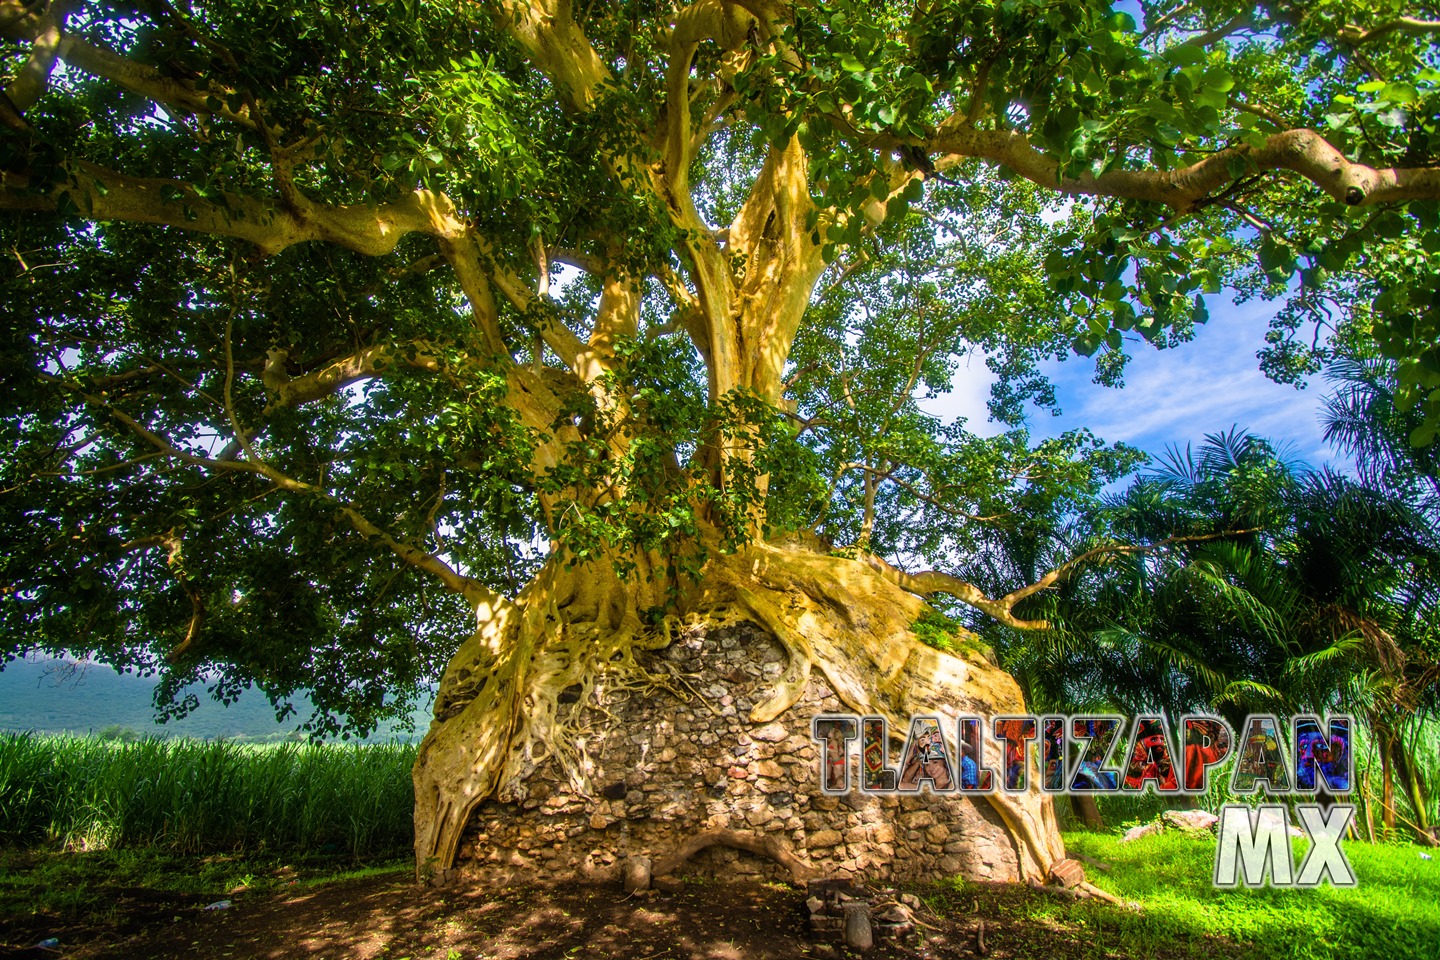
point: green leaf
(1399, 93)
(1184, 55)
(1124, 316)
(1199, 313)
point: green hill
(58, 696)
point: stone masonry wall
(666, 770)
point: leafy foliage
(326, 329)
(1319, 590)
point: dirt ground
(391, 918)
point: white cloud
(968, 396)
(1177, 396)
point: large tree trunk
(520, 701)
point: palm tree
(1361, 419)
(1283, 590)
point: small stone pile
(858, 915)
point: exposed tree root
(519, 692)
(513, 697)
(762, 845)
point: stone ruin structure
(691, 784)
(857, 915)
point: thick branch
(1302, 151)
(30, 84)
(1355, 35)
(702, 20)
(557, 46)
(370, 229)
(104, 194)
(772, 231)
(462, 252)
(933, 581)
(617, 317)
(138, 78)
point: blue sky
(1173, 396)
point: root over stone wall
(663, 770)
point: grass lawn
(1393, 913)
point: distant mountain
(57, 696)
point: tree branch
(1355, 35)
(473, 590)
(31, 82)
(462, 252)
(1263, 112)
(24, 25)
(1302, 151)
(175, 561)
(1239, 22)
(104, 194)
(933, 581)
(1070, 566)
(370, 229)
(726, 25)
(557, 46)
(362, 365)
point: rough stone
(1193, 821)
(771, 769)
(858, 935)
(664, 771)
(771, 732)
(636, 874)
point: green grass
(206, 797)
(1393, 914)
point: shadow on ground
(392, 918)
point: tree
(1364, 418)
(329, 330)
(1361, 418)
(1319, 599)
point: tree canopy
(325, 325)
